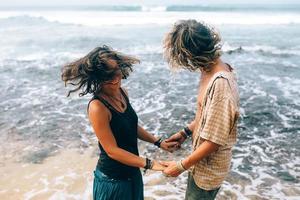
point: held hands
(153, 165)
(169, 146)
(168, 168)
(157, 166)
(172, 168)
(174, 142)
(177, 137)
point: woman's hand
(157, 166)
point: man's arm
(181, 136)
(206, 148)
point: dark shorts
(193, 192)
(106, 188)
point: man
(196, 46)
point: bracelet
(149, 164)
(158, 142)
(180, 166)
(187, 131)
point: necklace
(120, 99)
(119, 104)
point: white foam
(33, 56)
(288, 86)
(173, 187)
(154, 8)
(29, 195)
(63, 194)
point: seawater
(37, 120)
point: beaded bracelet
(180, 166)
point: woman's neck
(110, 93)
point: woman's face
(115, 82)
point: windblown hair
(91, 71)
(192, 45)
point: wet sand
(68, 174)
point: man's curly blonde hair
(192, 45)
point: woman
(115, 123)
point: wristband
(180, 166)
(158, 142)
(149, 164)
(187, 131)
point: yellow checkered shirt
(216, 121)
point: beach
(48, 149)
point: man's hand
(171, 168)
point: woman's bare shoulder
(96, 107)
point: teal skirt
(106, 188)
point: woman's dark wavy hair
(192, 45)
(91, 71)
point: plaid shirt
(216, 121)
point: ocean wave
(97, 19)
(271, 49)
(262, 49)
(13, 19)
(236, 7)
(171, 8)
(227, 48)
(154, 8)
(148, 51)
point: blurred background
(48, 149)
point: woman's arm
(145, 136)
(99, 117)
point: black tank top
(124, 128)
